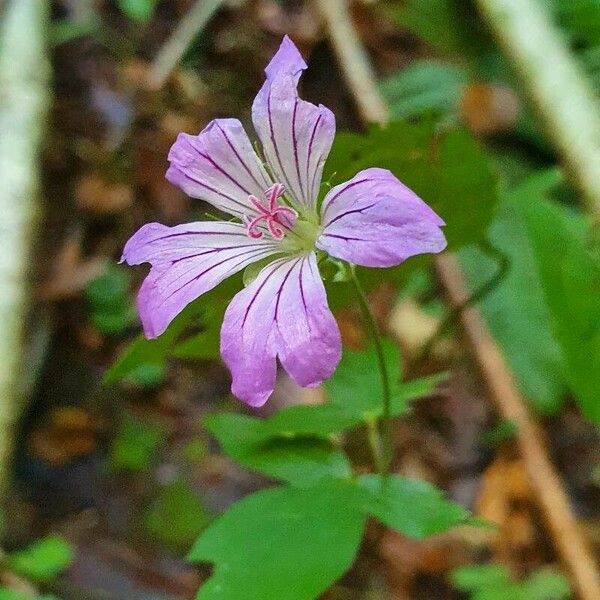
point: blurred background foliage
(128, 449)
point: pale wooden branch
(176, 46)
(556, 85)
(24, 93)
(546, 484)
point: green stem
(380, 433)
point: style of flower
(372, 220)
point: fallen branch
(24, 76)
(176, 46)
(556, 85)
(550, 495)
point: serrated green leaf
(516, 309)
(44, 559)
(285, 543)
(299, 460)
(355, 385)
(135, 445)
(414, 508)
(424, 87)
(177, 516)
(570, 278)
(449, 170)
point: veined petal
(376, 221)
(187, 261)
(282, 313)
(219, 166)
(296, 135)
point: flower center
(275, 217)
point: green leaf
(135, 444)
(472, 578)
(150, 352)
(177, 516)
(492, 582)
(547, 584)
(423, 87)
(414, 508)
(8, 594)
(516, 309)
(138, 10)
(570, 278)
(208, 310)
(111, 310)
(310, 420)
(450, 26)
(355, 387)
(285, 543)
(43, 560)
(299, 460)
(449, 170)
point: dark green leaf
(516, 309)
(423, 87)
(310, 420)
(298, 460)
(451, 26)
(449, 170)
(570, 277)
(138, 10)
(135, 444)
(355, 387)
(177, 516)
(285, 543)
(44, 559)
(414, 508)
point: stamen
(273, 214)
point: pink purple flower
(372, 220)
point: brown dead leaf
(67, 433)
(101, 197)
(488, 109)
(70, 272)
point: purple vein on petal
(295, 141)
(264, 184)
(193, 280)
(275, 268)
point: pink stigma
(271, 213)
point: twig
(556, 85)
(354, 63)
(568, 540)
(24, 75)
(175, 47)
(546, 484)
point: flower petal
(187, 261)
(296, 135)
(283, 313)
(376, 221)
(219, 166)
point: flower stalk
(379, 432)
